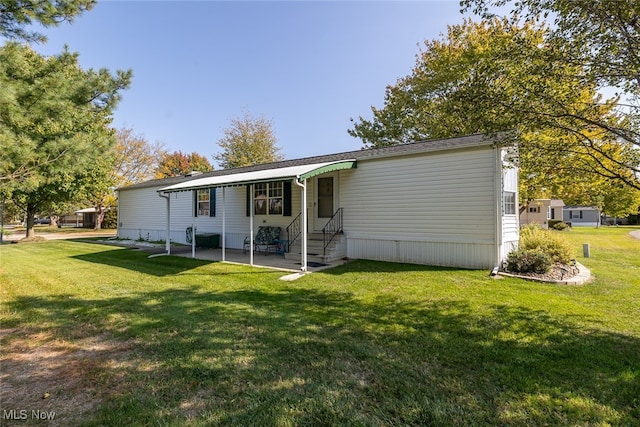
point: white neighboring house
(540, 211)
(449, 202)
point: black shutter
(195, 202)
(248, 200)
(212, 202)
(286, 204)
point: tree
(602, 38)
(15, 15)
(136, 158)
(133, 159)
(55, 139)
(179, 163)
(248, 141)
(494, 76)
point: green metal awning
(347, 164)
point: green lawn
(116, 338)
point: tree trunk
(31, 214)
(100, 211)
(54, 220)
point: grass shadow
(326, 357)
(136, 260)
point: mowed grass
(173, 341)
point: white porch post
(224, 230)
(251, 226)
(194, 195)
(167, 245)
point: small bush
(110, 220)
(529, 261)
(556, 224)
(547, 241)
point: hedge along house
(449, 202)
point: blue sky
(306, 66)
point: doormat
(314, 264)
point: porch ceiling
(300, 173)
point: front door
(325, 201)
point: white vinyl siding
(143, 215)
(435, 208)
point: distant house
(88, 217)
(579, 216)
(540, 211)
(449, 202)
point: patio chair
(266, 240)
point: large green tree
(248, 141)
(55, 139)
(17, 15)
(602, 39)
(496, 76)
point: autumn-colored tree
(248, 141)
(132, 159)
(179, 163)
(136, 158)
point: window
(509, 203)
(204, 203)
(533, 209)
(575, 214)
(275, 198)
(268, 198)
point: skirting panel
(446, 254)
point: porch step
(315, 248)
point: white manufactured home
(449, 202)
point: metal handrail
(331, 229)
(294, 229)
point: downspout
(168, 239)
(499, 201)
(303, 255)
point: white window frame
(509, 207)
(268, 198)
(204, 202)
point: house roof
(300, 172)
(469, 141)
(584, 208)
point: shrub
(110, 220)
(557, 224)
(529, 261)
(547, 241)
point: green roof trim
(347, 164)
